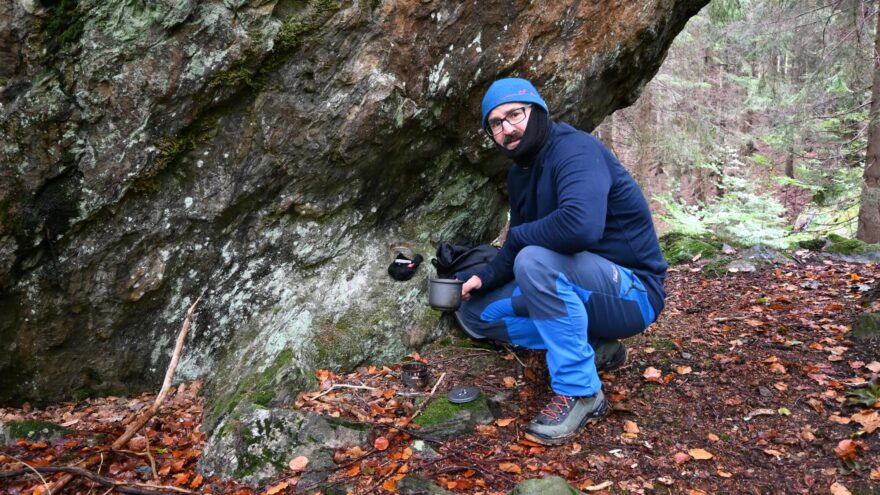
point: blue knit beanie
(507, 90)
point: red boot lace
(557, 405)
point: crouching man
(581, 266)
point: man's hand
(473, 283)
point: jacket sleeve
(582, 181)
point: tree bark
(869, 210)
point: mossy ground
(842, 245)
(679, 248)
(33, 429)
(440, 411)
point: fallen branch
(150, 457)
(342, 385)
(31, 468)
(145, 416)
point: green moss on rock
(812, 244)
(679, 248)
(441, 411)
(32, 430)
(257, 388)
(842, 245)
(64, 27)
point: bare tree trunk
(869, 211)
(605, 131)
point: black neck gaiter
(533, 139)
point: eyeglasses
(512, 117)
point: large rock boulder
(268, 153)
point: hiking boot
(610, 354)
(564, 416)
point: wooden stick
(342, 385)
(150, 457)
(28, 466)
(166, 385)
(145, 415)
(427, 399)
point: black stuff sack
(403, 268)
(453, 258)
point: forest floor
(749, 383)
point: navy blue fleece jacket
(578, 197)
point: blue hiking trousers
(559, 303)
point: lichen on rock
(254, 444)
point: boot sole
(617, 361)
(554, 441)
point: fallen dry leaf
(630, 427)
(504, 421)
(700, 454)
(509, 382)
(600, 486)
(197, 481)
(870, 420)
(840, 420)
(839, 489)
(652, 374)
(277, 488)
(713, 437)
(724, 474)
(681, 458)
(297, 464)
(380, 443)
(875, 474)
(759, 412)
(683, 370)
(775, 453)
(137, 443)
(874, 366)
(847, 449)
(390, 485)
(509, 467)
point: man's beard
(512, 137)
(530, 141)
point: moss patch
(679, 248)
(64, 27)
(812, 244)
(251, 71)
(173, 148)
(842, 245)
(31, 430)
(441, 411)
(257, 388)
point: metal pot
(444, 294)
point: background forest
(756, 126)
